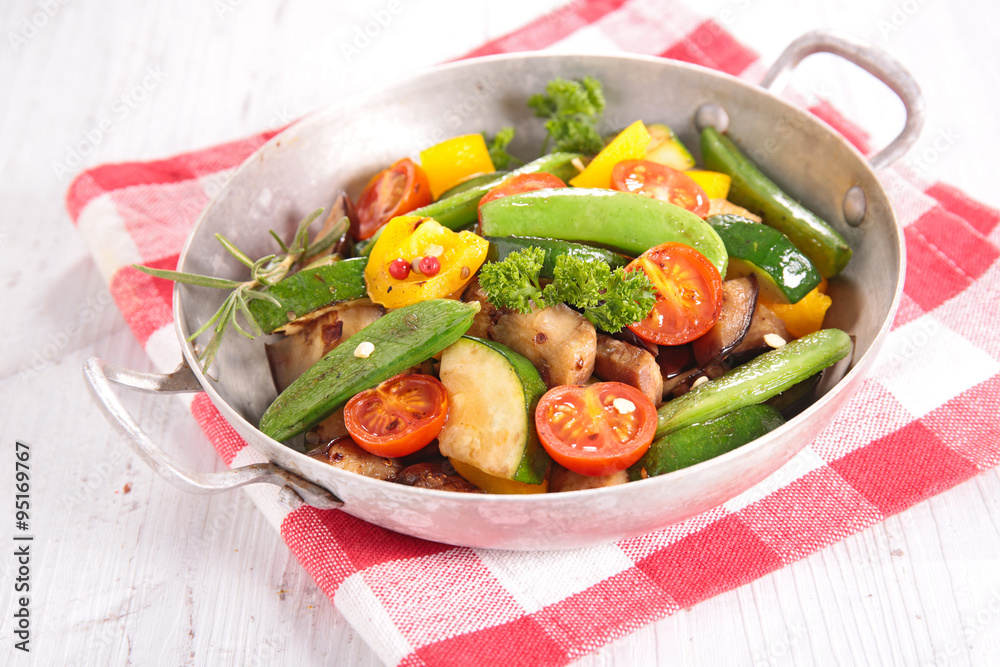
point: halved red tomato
(521, 183)
(595, 429)
(398, 417)
(689, 294)
(399, 189)
(659, 181)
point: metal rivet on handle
(855, 205)
(711, 114)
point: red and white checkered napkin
(924, 422)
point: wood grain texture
(155, 577)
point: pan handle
(100, 375)
(873, 60)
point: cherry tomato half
(596, 429)
(521, 183)
(689, 294)
(398, 417)
(660, 182)
(399, 189)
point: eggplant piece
(618, 361)
(438, 475)
(487, 314)
(684, 382)
(739, 300)
(341, 208)
(764, 323)
(631, 338)
(559, 341)
(561, 479)
(291, 356)
(331, 428)
(345, 454)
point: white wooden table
(128, 570)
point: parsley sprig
(573, 109)
(498, 148)
(611, 300)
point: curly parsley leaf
(498, 148)
(632, 299)
(572, 109)
(513, 283)
(611, 300)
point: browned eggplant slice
(560, 342)
(760, 337)
(739, 300)
(291, 356)
(341, 208)
(438, 475)
(618, 361)
(487, 314)
(630, 337)
(345, 454)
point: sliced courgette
(784, 273)
(401, 338)
(753, 190)
(701, 442)
(492, 393)
(667, 149)
(309, 290)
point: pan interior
(341, 147)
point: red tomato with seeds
(659, 181)
(596, 429)
(399, 416)
(401, 188)
(689, 294)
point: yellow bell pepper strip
(806, 315)
(416, 259)
(492, 484)
(630, 144)
(452, 161)
(715, 184)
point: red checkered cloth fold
(925, 421)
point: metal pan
(341, 146)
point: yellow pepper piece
(454, 160)
(410, 236)
(491, 484)
(805, 316)
(715, 185)
(630, 144)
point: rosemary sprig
(264, 272)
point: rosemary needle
(264, 272)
